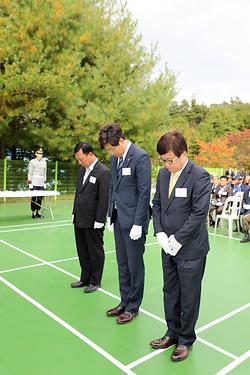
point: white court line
(220, 235)
(71, 329)
(22, 229)
(142, 359)
(39, 223)
(217, 348)
(42, 264)
(234, 364)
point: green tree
(69, 66)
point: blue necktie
(119, 166)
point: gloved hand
(174, 245)
(44, 186)
(30, 186)
(164, 242)
(98, 225)
(135, 232)
(109, 225)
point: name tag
(92, 179)
(181, 192)
(126, 171)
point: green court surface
(46, 327)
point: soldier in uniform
(37, 171)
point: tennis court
(47, 327)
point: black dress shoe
(163, 343)
(33, 216)
(78, 284)
(38, 215)
(91, 288)
(115, 311)
(126, 317)
(246, 238)
(180, 353)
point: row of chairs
(231, 213)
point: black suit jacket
(91, 199)
(184, 216)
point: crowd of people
(233, 183)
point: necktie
(173, 179)
(119, 166)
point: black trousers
(129, 254)
(182, 293)
(36, 202)
(89, 244)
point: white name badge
(181, 192)
(92, 179)
(126, 171)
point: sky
(206, 43)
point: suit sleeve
(200, 205)
(143, 179)
(103, 196)
(156, 209)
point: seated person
(215, 183)
(245, 211)
(222, 191)
(236, 187)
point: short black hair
(84, 146)
(110, 133)
(172, 141)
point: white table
(32, 193)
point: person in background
(235, 186)
(215, 183)
(180, 208)
(129, 210)
(37, 174)
(222, 191)
(89, 216)
(245, 211)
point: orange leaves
(85, 38)
(219, 153)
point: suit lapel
(180, 182)
(92, 173)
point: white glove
(109, 225)
(72, 219)
(44, 186)
(98, 225)
(164, 242)
(135, 232)
(30, 186)
(174, 245)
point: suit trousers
(181, 293)
(129, 254)
(36, 202)
(89, 244)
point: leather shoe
(163, 343)
(78, 284)
(245, 239)
(91, 288)
(116, 311)
(180, 353)
(126, 317)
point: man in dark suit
(89, 216)
(180, 208)
(129, 210)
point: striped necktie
(173, 179)
(119, 166)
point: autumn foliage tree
(219, 153)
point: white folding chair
(230, 212)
